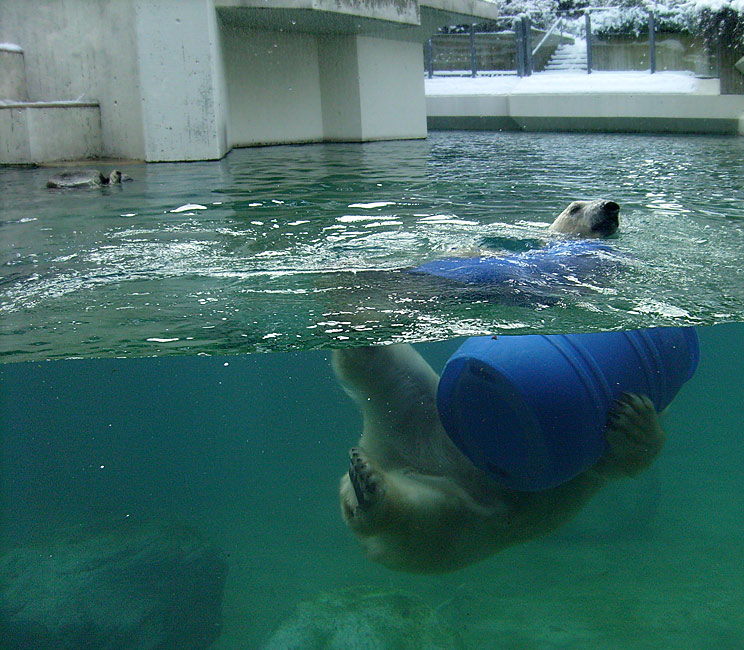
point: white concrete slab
(49, 132)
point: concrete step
(567, 58)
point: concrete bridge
(167, 80)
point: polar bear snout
(606, 220)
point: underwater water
(249, 449)
(127, 395)
(305, 247)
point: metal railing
(525, 53)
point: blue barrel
(531, 411)
(582, 258)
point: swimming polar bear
(416, 502)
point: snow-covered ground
(567, 82)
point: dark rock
(151, 587)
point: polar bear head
(597, 218)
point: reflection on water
(248, 450)
(262, 250)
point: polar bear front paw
(634, 435)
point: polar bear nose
(607, 221)
(610, 206)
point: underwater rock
(357, 619)
(153, 587)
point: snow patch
(566, 82)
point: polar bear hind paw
(364, 479)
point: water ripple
(302, 247)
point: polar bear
(418, 504)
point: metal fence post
(527, 27)
(652, 41)
(519, 43)
(429, 58)
(588, 43)
(473, 59)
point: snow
(718, 5)
(566, 82)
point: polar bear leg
(373, 499)
(411, 521)
(396, 391)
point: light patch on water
(188, 207)
(445, 219)
(353, 218)
(379, 224)
(370, 206)
(662, 309)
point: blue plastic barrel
(581, 258)
(531, 411)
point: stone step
(567, 58)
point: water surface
(298, 247)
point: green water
(294, 246)
(293, 252)
(249, 449)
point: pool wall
(606, 112)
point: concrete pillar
(371, 88)
(272, 86)
(181, 80)
(12, 73)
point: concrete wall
(49, 133)
(189, 79)
(82, 50)
(361, 99)
(340, 87)
(298, 87)
(604, 112)
(393, 105)
(273, 86)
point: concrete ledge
(627, 113)
(49, 131)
